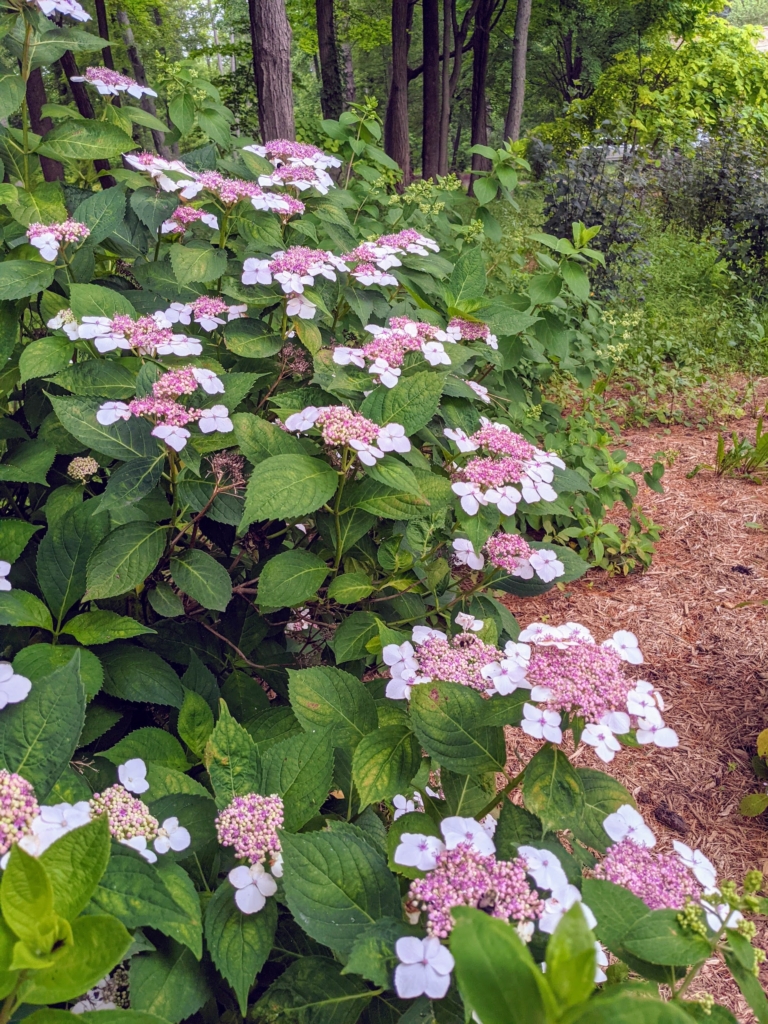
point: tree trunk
(146, 102)
(445, 90)
(396, 131)
(52, 169)
(430, 154)
(330, 93)
(271, 39)
(85, 107)
(481, 47)
(103, 24)
(350, 90)
(517, 89)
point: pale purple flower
(388, 375)
(557, 905)
(424, 969)
(391, 438)
(505, 676)
(133, 775)
(299, 305)
(465, 554)
(368, 454)
(174, 437)
(256, 272)
(69, 7)
(418, 851)
(547, 565)
(403, 805)
(111, 412)
(656, 732)
(602, 739)
(480, 390)
(420, 634)
(544, 867)
(627, 823)
(541, 724)
(179, 345)
(253, 885)
(172, 836)
(720, 914)
(471, 496)
(139, 843)
(344, 356)
(506, 499)
(5, 568)
(208, 380)
(111, 83)
(461, 439)
(626, 646)
(457, 830)
(304, 420)
(703, 869)
(469, 622)
(435, 354)
(215, 418)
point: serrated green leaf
(124, 559)
(384, 763)
(291, 578)
(449, 719)
(136, 674)
(85, 140)
(239, 943)
(552, 790)
(232, 759)
(201, 577)
(43, 357)
(168, 982)
(63, 554)
(412, 403)
(126, 439)
(197, 262)
(102, 627)
(329, 699)
(300, 770)
(19, 608)
(19, 278)
(287, 486)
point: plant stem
(337, 506)
(25, 71)
(502, 793)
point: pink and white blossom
(627, 823)
(541, 724)
(14, 688)
(415, 850)
(215, 418)
(465, 554)
(253, 885)
(424, 969)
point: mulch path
(699, 615)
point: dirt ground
(698, 613)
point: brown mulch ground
(705, 648)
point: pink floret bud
(660, 880)
(18, 809)
(128, 816)
(250, 824)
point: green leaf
(18, 608)
(412, 403)
(350, 587)
(602, 796)
(132, 482)
(201, 577)
(287, 486)
(516, 827)
(95, 300)
(373, 953)
(165, 601)
(15, 534)
(327, 698)
(98, 720)
(182, 113)
(19, 278)
(43, 357)
(611, 1006)
(153, 206)
(155, 746)
(495, 972)
(75, 864)
(659, 939)
(448, 721)
(384, 763)
(745, 978)
(42, 659)
(197, 262)
(485, 190)
(134, 673)
(544, 288)
(26, 898)
(168, 983)
(195, 722)
(232, 759)
(102, 627)
(300, 770)
(126, 439)
(124, 559)
(571, 959)
(468, 280)
(63, 556)
(103, 213)
(291, 578)
(260, 439)
(12, 93)
(575, 278)
(38, 736)
(552, 790)
(140, 116)
(465, 795)
(28, 463)
(336, 885)
(100, 943)
(239, 943)
(85, 140)
(354, 632)
(314, 991)
(98, 378)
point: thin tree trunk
(479, 116)
(82, 100)
(103, 24)
(215, 31)
(350, 90)
(330, 92)
(517, 89)
(396, 131)
(445, 90)
(232, 57)
(36, 98)
(146, 102)
(271, 39)
(456, 144)
(430, 154)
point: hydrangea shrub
(266, 479)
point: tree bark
(331, 101)
(146, 102)
(517, 88)
(271, 40)
(430, 153)
(445, 89)
(479, 115)
(80, 95)
(397, 142)
(103, 24)
(36, 97)
(350, 90)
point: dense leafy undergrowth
(267, 471)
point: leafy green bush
(258, 670)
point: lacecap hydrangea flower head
(249, 825)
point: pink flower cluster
(582, 679)
(293, 269)
(373, 259)
(128, 816)
(390, 345)
(298, 175)
(207, 311)
(183, 216)
(284, 151)
(661, 880)
(163, 410)
(340, 425)
(409, 240)
(514, 471)
(250, 824)
(112, 83)
(149, 335)
(464, 878)
(458, 659)
(18, 809)
(175, 383)
(49, 238)
(470, 330)
(513, 553)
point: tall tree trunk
(480, 50)
(350, 90)
(330, 93)
(85, 107)
(445, 89)
(52, 169)
(517, 89)
(146, 102)
(271, 39)
(103, 24)
(396, 131)
(430, 154)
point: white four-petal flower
(253, 885)
(424, 969)
(133, 775)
